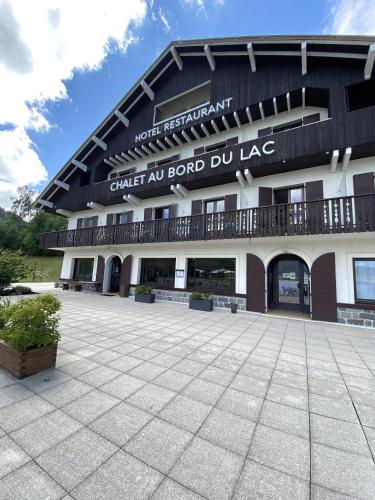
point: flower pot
(201, 304)
(233, 308)
(22, 364)
(146, 298)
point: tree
(42, 222)
(12, 230)
(12, 268)
(22, 204)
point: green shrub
(12, 268)
(21, 290)
(143, 289)
(31, 322)
(200, 296)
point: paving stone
(66, 392)
(11, 456)
(338, 434)
(281, 451)
(159, 444)
(121, 423)
(90, 406)
(290, 379)
(122, 476)
(13, 393)
(250, 385)
(47, 431)
(240, 403)
(366, 414)
(228, 430)
(147, 371)
(123, 386)
(151, 398)
(23, 412)
(217, 375)
(6, 379)
(288, 396)
(189, 367)
(370, 435)
(79, 367)
(208, 469)
(173, 380)
(328, 388)
(203, 391)
(75, 458)
(259, 481)
(256, 371)
(186, 413)
(340, 409)
(320, 493)
(285, 418)
(45, 380)
(343, 472)
(29, 482)
(125, 363)
(99, 376)
(170, 490)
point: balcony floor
(161, 400)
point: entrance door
(288, 284)
(114, 285)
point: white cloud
(351, 17)
(166, 25)
(42, 43)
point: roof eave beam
(175, 191)
(134, 200)
(249, 177)
(249, 117)
(225, 121)
(45, 203)
(148, 90)
(261, 111)
(304, 57)
(215, 127)
(182, 190)
(334, 160)
(177, 58)
(370, 61)
(62, 185)
(99, 143)
(80, 165)
(240, 178)
(274, 100)
(250, 51)
(95, 206)
(210, 57)
(237, 119)
(122, 118)
(177, 139)
(65, 213)
(346, 158)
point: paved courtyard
(156, 401)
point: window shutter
(147, 215)
(265, 196)
(364, 183)
(129, 216)
(151, 164)
(196, 207)
(232, 141)
(198, 151)
(79, 223)
(230, 202)
(173, 210)
(311, 119)
(314, 191)
(110, 220)
(94, 221)
(264, 131)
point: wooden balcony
(348, 214)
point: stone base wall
(221, 301)
(359, 317)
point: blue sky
(66, 79)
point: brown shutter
(306, 120)
(129, 216)
(79, 223)
(196, 207)
(198, 151)
(111, 219)
(230, 202)
(314, 190)
(100, 271)
(232, 141)
(265, 196)
(94, 221)
(255, 284)
(173, 210)
(147, 215)
(151, 164)
(263, 132)
(364, 183)
(125, 276)
(323, 288)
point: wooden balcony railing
(348, 214)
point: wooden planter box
(146, 298)
(201, 304)
(21, 364)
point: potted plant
(233, 307)
(29, 334)
(201, 302)
(144, 294)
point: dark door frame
(273, 284)
(114, 279)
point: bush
(21, 290)
(142, 289)
(30, 323)
(200, 296)
(12, 268)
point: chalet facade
(243, 167)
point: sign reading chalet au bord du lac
(190, 166)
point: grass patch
(43, 269)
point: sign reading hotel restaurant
(193, 166)
(184, 119)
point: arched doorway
(288, 284)
(114, 277)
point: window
(83, 269)
(114, 175)
(214, 147)
(89, 222)
(162, 213)
(364, 279)
(287, 126)
(184, 102)
(159, 271)
(212, 274)
(122, 218)
(214, 206)
(360, 95)
(292, 194)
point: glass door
(289, 284)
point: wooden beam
(304, 57)
(161, 144)
(237, 120)
(177, 58)
(186, 136)
(63, 185)
(215, 127)
(334, 160)
(122, 118)
(80, 165)
(261, 111)
(170, 143)
(303, 97)
(152, 146)
(274, 100)
(120, 159)
(177, 139)
(240, 178)
(116, 162)
(183, 190)
(95, 206)
(134, 199)
(45, 203)
(175, 191)
(249, 177)
(249, 117)
(205, 131)
(195, 134)
(250, 51)
(210, 57)
(139, 152)
(288, 102)
(99, 143)
(346, 158)
(66, 213)
(133, 155)
(148, 90)
(110, 163)
(225, 121)
(127, 157)
(146, 150)
(370, 61)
